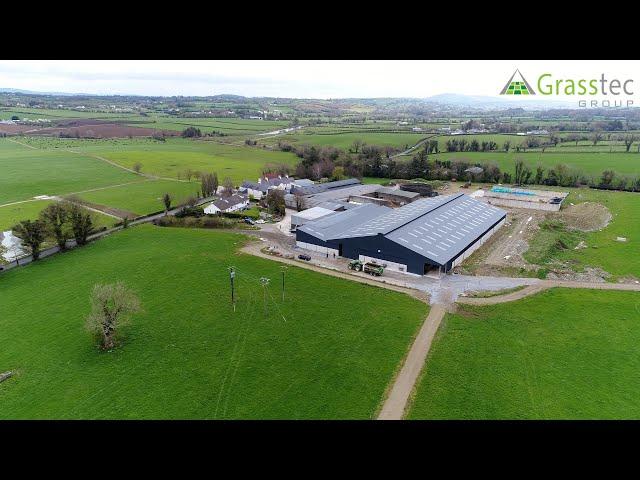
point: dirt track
(544, 285)
(396, 402)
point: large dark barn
(429, 234)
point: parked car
(249, 221)
(304, 256)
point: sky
(295, 78)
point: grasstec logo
(611, 92)
(520, 86)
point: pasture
(144, 197)
(28, 172)
(327, 355)
(345, 139)
(173, 157)
(621, 259)
(591, 163)
(560, 354)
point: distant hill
(486, 101)
(32, 92)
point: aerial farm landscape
(236, 257)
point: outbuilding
(428, 234)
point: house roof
(225, 203)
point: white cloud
(310, 79)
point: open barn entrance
(432, 271)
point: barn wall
(385, 250)
(475, 245)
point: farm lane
(446, 290)
(396, 403)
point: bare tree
(628, 141)
(596, 136)
(111, 308)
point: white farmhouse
(234, 203)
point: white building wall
(317, 248)
(257, 194)
(396, 267)
(211, 209)
(550, 207)
(478, 244)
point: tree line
(60, 221)
(374, 161)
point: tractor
(355, 265)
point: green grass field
(561, 354)
(144, 197)
(589, 163)
(618, 258)
(188, 355)
(345, 140)
(173, 157)
(27, 172)
(12, 214)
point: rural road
(411, 149)
(396, 402)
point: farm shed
(331, 195)
(429, 234)
(300, 218)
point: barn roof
(333, 226)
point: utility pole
(284, 269)
(232, 275)
(264, 281)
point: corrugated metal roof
(323, 187)
(339, 194)
(398, 192)
(442, 233)
(399, 216)
(333, 226)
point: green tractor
(355, 265)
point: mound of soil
(586, 217)
(590, 274)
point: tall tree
(628, 141)
(227, 190)
(209, 184)
(32, 234)
(81, 223)
(56, 216)
(166, 201)
(111, 308)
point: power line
(265, 282)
